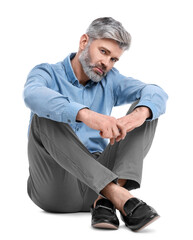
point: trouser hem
(131, 183)
(105, 183)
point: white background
(33, 32)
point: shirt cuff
(71, 112)
(151, 106)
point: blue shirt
(53, 91)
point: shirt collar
(70, 73)
(68, 67)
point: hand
(134, 119)
(107, 125)
(110, 127)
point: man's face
(99, 57)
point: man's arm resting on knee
(107, 125)
(135, 119)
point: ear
(83, 41)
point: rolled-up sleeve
(128, 90)
(40, 97)
(153, 97)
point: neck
(78, 70)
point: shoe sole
(104, 225)
(149, 221)
(147, 224)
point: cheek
(110, 66)
(94, 56)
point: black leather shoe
(138, 214)
(104, 215)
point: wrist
(145, 111)
(82, 114)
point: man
(72, 167)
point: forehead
(109, 44)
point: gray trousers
(66, 177)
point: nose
(105, 62)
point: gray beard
(85, 60)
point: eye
(102, 51)
(114, 60)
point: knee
(45, 197)
(52, 198)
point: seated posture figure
(80, 157)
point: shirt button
(69, 120)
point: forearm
(144, 111)
(50, 104)
(82, 115)
(42, 97)
(154, 98)
(135, 119)
(91, 118)
(128, 90)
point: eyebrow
(110, 52)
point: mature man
(72, 167)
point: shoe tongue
(130, 205)
(105, 202)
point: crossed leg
(64, 175)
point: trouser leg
(61, 166)
(125, 158)
(50, 186)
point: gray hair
(108, 27)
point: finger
(123, 132)
(112, 141)
(116, 132)
(106, 134)
(119, 138)
(103, 134)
